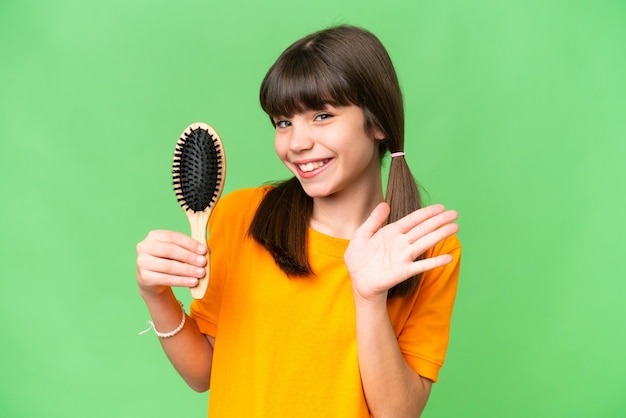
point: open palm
(380, 257)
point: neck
(340, 215)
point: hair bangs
(300, 81)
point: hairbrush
(198, 173)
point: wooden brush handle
(198, 222)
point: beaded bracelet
(171, 333)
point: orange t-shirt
(287, 346)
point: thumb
(374, 222)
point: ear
(378, 135)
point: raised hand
(169, 258)
(379, 258)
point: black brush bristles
(198, 169)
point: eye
(323, 116)
(282, 123)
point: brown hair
(340, 66)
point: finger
(417, 217)
(374, 222)
(170, 251)
(154, 278)
(431, 239)
(431, 224)
(147, 263)
(177, 238)
(427, 264)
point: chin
(316, 192)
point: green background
(515, 117)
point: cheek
(279, 147)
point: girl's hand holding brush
(168, 259)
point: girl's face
(329, 151)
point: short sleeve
(422, 321)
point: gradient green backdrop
(515, 116)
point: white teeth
(311, 166)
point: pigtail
(403, 198)
(280, 224)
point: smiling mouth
(312, 166)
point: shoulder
(446, 275)
(244, 197)
(238, 207)
(449, 245)
(241, 201)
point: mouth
(312, 166)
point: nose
(301, 137)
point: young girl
(323, 299)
